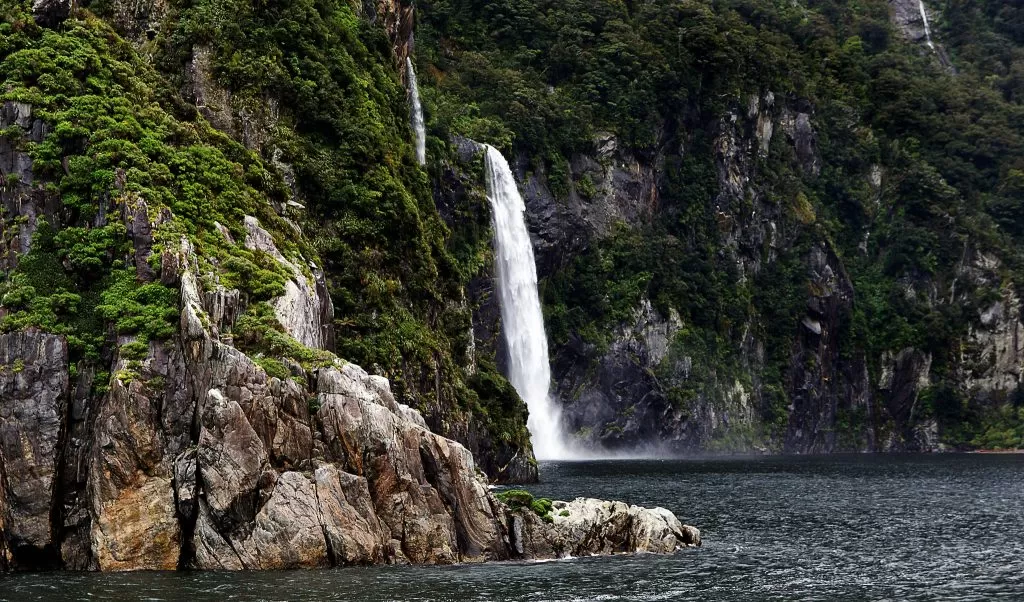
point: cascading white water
(927, 26)
(417, 113)
(522, 319)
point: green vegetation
(317, 84)
(312, 84)
(114, 145)
(518, 499)
(1002, 430)
(542, 79)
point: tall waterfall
(927, 26)
(522, 320)
(417, 113)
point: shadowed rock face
(33, 405)
(203, 461)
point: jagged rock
(140, 230)
(622, 403)
(137, 20)
(22, 199)
(141, 426)
(212, 101)
(904, 376)
(185, 484)
(287, 532)
(231, 459)
(823, 381)
(372, 440)
(305, 310)
(353, 531)
(993, 359)
(906, 16)
(50, 13)
(34, 387)
(398, 20)
(609, 188)
(194, 460)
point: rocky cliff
(776, 229)
(201, 460)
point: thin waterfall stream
(522, 319)
(416, 113)
(927, 25)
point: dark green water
(825, 528)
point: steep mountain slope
(293, 115)
(201, 211)
(760, 226)
(782, 226)
(206, 207)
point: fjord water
(812, 528)
(522, 319)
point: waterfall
(522, 319)
(417, 113)
(927, 26)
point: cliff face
(636, 388)
(758, 228)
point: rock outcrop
(24, 200)
(398, 20)
(906, 16)
(586, 527)
(196, 458)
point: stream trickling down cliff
(940, 527)
(529, 369)
(927, 26)
(416, 113)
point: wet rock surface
(34, 386)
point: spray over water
(416, 113)
(522, 319)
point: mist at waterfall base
(416, 113)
